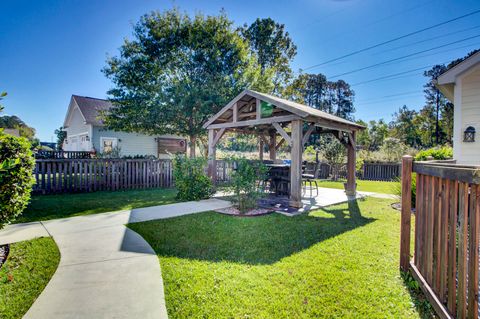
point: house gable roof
(89, 108)
(446, 81)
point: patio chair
(310, 176)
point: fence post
(406, 212)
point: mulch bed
(4, 250)
(398, 206)
(233, 211)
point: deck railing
(446, 234)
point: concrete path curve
(106, 270)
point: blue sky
(52, 49)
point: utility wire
(403, 57)
(427, 40)
(394, 39)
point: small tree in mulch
(245, 181)
(16, 176)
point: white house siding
(469, 87)
(130, 144)
(75, 130)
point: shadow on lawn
(259, 240)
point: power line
(427, 40)
(405, 56)
(394, 39)
(389, 96)
(388, 100)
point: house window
(108, 144)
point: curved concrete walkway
(106, 270)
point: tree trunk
(193, 142)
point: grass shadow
(267, 239)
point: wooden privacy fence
(87, 175)
(446, 235)
(380, 171)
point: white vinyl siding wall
(469, 87)
(131, 144)
(75, 130)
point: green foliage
(314, 90)
(393, 149)
(14, 122)
(61, 136)
(334, 152)
(422, 305)
(16, 179)
(2, 96)
(437, 153)
(195, 66)
(397, 189)
(273, 48)
(244, 182)
(190, 179)
(28, 270)
(115, 152)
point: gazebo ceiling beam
(262, 121)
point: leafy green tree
(404, 128)
(434, 98)
(274, 49)
(378, 133)
(316, 91)
(2, 96)
(61, 136)
(177, 72)
(14, 122)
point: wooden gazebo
(266, 116)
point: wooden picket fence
(88, 175)
(446, 235)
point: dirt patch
(233, 211)
(4, 250)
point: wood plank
(440, 309)
(436, 235)
(461, 174)
(263, 121)
(284, 134)
(462, 250)
(452, 247)
(406, 213)
(418, 219)
(473, 242)
(445, 195)
(258, 109)
(429, 232)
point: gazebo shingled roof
(266, 115)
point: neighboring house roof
(293, 107)
(89, 107)
(446, 81)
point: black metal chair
(310, 176)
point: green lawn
(29, 267)
(337, 262)
(365, 186)
(43, 207)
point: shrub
(438, 153)
(16, 176)
(398, 188)
(244, 182)
(190, 179)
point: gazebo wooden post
(351, 186)
(260, 147)
(296, 165)
(212, 162)
(272, 147)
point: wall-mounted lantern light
(469, 134)
(87, 138)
